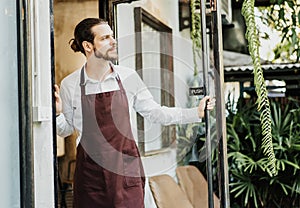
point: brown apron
(109, 170)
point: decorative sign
(196, 91)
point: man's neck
(98, 69)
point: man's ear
(87, 46)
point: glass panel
(152, 78)
(145, 44)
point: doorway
(67, 13)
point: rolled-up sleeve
(62, 128)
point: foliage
(187, 137)
(249, 173)
(196, 32)
(260, 86)
(284, 16)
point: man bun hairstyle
(83, 32)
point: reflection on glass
(152, 78)
(153, 41)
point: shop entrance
(67, 13)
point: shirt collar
(112, 75)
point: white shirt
(139, 99)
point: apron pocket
(132, 170)
(131, 181)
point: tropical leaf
(249, 169)
(244, 187)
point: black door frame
(25, 110)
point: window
(154, 63)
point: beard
(107, 55)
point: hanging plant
(196, 32)
(195, 35)
(263, 104)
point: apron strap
(120, 84)
(82, 81)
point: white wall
(42, 101)
(9, 148)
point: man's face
(105, 46)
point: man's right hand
(58, 101)
(206, 102)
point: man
(95, 101)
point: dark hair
(83, 32)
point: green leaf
(295, 147)
(280, 1)
(283, 188)
(291, 163)
(294, 19)
(294, 36)
(290, 3)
